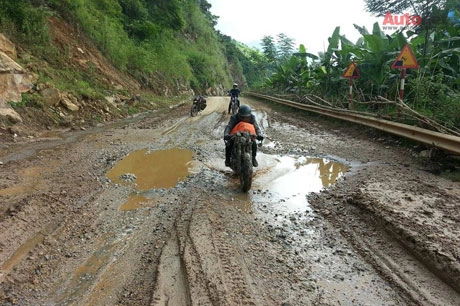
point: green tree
(419, 7)
(269, 48)
(254, 65)
(205, 7)
(427, 14)
(285, 46)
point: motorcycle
(241, 158)
(199, 104)
(234, 104)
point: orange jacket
(244, 127)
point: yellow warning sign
(351, 72)
(405, 59)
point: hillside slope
(121, 94)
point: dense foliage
(164, 44)
(433, 90)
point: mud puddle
(289, 179)
(145, 170)
(278, 199)
(281, 185)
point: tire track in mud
(171, 286)
(201, 293)
(213, 268)
(233, 266)
(179, 267)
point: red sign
(405, 59)
(351, 72)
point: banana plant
(293, 74)
(436, 82)
(375, 54)
(328, 69)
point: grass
(454, 176)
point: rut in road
(385, 249)
(210, 268)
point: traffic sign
(351, 72)
(405, 59)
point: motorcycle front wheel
(246, 173)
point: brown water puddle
(135, 202)
(149, 170)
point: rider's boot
(228, 154)
(254, 162)
(228, 162)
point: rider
(237, 123)
(201, 101)
(234, 92)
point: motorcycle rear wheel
(194, 110)
(234, 107)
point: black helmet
(244, 111)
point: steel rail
(449, 143)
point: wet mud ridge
(211, 268)
(144, 212)
(394, 254)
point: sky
(308, 22)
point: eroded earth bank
(144, 212)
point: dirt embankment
(336, 216)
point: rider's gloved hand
(227, 137)
(260, 137)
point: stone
(65, 101)
(7, 47)
(51, 96)
(10, 114)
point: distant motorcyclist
(234, 93)
(200, 101)
(243, 120)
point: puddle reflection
(291, 179)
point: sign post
(405, 60)
(350, 74)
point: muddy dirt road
(144, 212)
